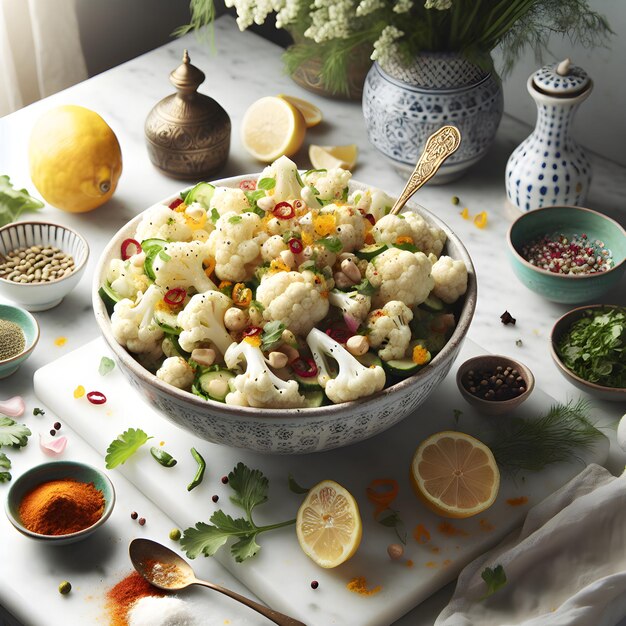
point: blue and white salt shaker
(549, 168)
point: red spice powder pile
(121, 597)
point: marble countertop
(244, 68)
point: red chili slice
(284, 211)
(96, 397)
(305, 367)
(247, 185)
(127, 248)
(252, 331)
(175, 203)
(370, 218)
(340, 335)
(175, 296)
(295, 245)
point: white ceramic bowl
(288, 431)
(45, 295)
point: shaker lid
(562, 79)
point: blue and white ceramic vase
(549, 168)
(403, 106)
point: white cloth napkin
(565, 567)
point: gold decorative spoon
(439, 146)
(164, 569)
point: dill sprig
(557, 436)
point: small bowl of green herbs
(588, 345)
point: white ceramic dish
(288, 431)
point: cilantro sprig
(14, 202)
(122, 448)
(5, 466)
(494, 579)
(12, 433)
(272, 333)
(250, 488)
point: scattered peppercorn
(134, 515)
(38, 411)
(224, 480)
(507, 318)
(53, 432)
(141, 521)
(314, 584)
(57, 425)
(499, 383)
(175, 534)
(395, 551)
(215, 498)
(455, 200)
(65, 587)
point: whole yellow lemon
(75, 158)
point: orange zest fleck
(401, 240)
(486, 525)
(420, 355)
(445, 528)
(79, 392)
(324, 224)
(209, 266)
(480, 220)
(60, 341)
(242, 295)
(421, 534)
(517, 501)
(254, 340)
(465, 214)
(446, 563)
(359, 585)
(277, 265)
(435, 550)
(409, 563)
(430, 564)
(381, 492)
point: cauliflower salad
(287, 291)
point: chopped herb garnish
(5, 466)
(332, 244)
(519, 343)
(12, 433)
(235, 219)
(14, 202)
(266, 183)
(215, 215)
(391, 518)
(494, 579)
(253, 197)
(272, 333)
(122, 448)
(295, 487)
(457, 414)
(38, 411)
(365, 288)
(106, 365)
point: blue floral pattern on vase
(404, 106)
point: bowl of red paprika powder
(60, 502)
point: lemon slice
(328, 524)
(455, 475)
(329, 157)
(272, 127)
(312, 115)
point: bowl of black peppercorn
(494, 384)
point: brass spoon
(164, 569)
(439, 146)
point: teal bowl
(58, 470)
(568, 220)
(29, 327)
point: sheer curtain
(40, 51)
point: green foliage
(14, 202)
(272, 333)
(295, 487)
(494, 579)
(5, 465)
(106, 365)
(122, 448)
(12, 433)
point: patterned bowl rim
(259, 414)
(28, 348)
(56, 281)
(565, 277)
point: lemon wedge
(328, 524)
(329, 157)
(312, 114)
(272, 127)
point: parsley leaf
(122, 448)
(494, 578)
(215, 215)
(12, 433)
(272, 333)
(5, 476)
(250, 487)
(266, 183)
(14, 202)
(235, 219)
(252, 197)
(106, 365)
(391, 518)
(365, 288)
(38, 411)
(332, 244)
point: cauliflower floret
(126, 278)
(202, 321)
(258, 386)
(450, 278)
(354, 305)
(133, 325)
(161, 222)
(349, 226)
(285, 172)
(373, 201)
(299, 300)
(389, 330)
(400, 275)
(229, 200)
(272, 248)
(353, 380)
(176, 372)
(331, 184)
(236, 245)
(180, 264)
(427, 239)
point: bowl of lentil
(494, 384)
(19, 334)
(588, 345)
(40, 263)
(567, 254)
(60, 502)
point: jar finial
(187, 77)
(562, 69)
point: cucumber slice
(306, 384)
(406, 367)
(370, 251)
(211, 383)
(201, 193)
(167, 320)
(433, 304)
(314, 398)
(109, 297)
(148, 244)
(369, 359)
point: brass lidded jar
(188, 133)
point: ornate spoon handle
(439, 146)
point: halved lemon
(272, 127)
(328, 524)
(329, 157)
(312, 115)
(455, 475)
